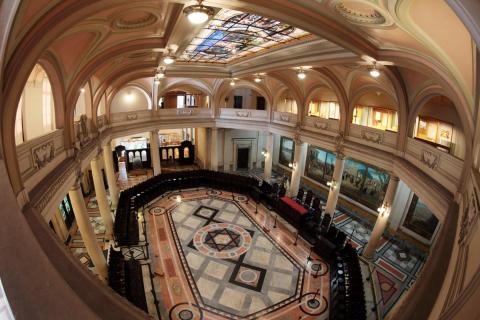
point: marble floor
(213, 257)
(396, 264)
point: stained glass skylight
(233, 34)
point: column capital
(78, 178)
(339, 145)
(393, 177)
(340, 155)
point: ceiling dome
(359, 12)
(134, 20)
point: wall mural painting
(320, 164)
(233, 34)
(420, 219)
(287, 149)
(364, 184)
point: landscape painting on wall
(287, 149)
(364, 184)
(320, 164)
(420, 219)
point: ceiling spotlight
(169, 59)
(374, 71)
(257, 79)
(301, 74)
(198, 13)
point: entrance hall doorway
(242, 158)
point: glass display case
(375, 117)
(434, 131)
(324, 109)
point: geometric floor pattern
(395, 267)
(241, 272)
(214, 258)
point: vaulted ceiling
(111, 42)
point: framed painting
(420, 219)
(287, 149)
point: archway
(436, 121)
(36, 109)
(375, 109)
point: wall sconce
(265, 153)
(332, 184)
(384, 210)
(293, 165)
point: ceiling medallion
(359, 13)
(135, 20)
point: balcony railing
(328, 126)
(243, 114)
(441, 166)
(38, 153)
(381, 139)
(285, 118)
(123, 118)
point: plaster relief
(184, 112)
(321, 125)
(469, 216)
(243, 114)
(376, 137)
(429, 159)
(132, 116)
(43, 154)
(285, 117)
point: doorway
(242, 158)
(237, 102)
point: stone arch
(226, 88)
(421, 100)
(280, 94)
(145, 94)
(328, 79)
(358, 94)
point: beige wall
(233, 138)
(130, 99)
(249, 100)
(202, 149)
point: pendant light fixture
(257, 79)
(198, 13)
(374, 71)
(301, 74)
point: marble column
(267, 173)
(101, 196)
(59, 225)
(298, 167)
(334, 190)
(110, 172)
(214, 138)
(155, 153)
(382, 219)
(86, 231)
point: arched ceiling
(102, 41)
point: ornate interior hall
(239, 159)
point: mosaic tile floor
(214, 258)
(77, 247)
(395, 267)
